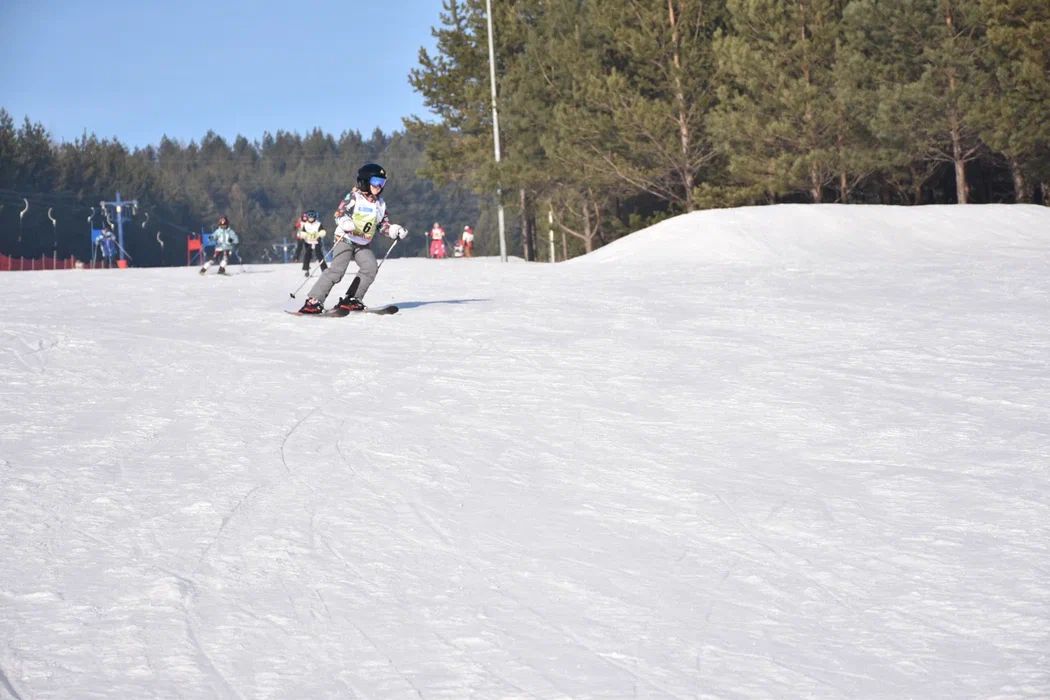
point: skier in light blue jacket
(225, 238)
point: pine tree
(540, 91)
(34, 158)
(778, 118)
(632, 98)
(923, 53)
(8, 148)
(454, 86)
(1014, 113)
(454, 83)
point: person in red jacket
(437, 241)
(468, 242)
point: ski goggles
(377, 181)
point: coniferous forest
(181, 189)
(612, 115)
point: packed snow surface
(791, 451)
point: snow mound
(799, 233)
(699, 471)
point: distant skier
(467, 240)
(310, 233)
(107, 246)
(360, 215)
(225, 238)
(298, 241)
(437, 241)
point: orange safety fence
(44, 262)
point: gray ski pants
(342, 253)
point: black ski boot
(349, 304)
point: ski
(337, 313)
(381, 310)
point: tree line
(617, 113)
(183, 188)
(613, 115)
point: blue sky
(139, 70)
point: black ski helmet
(367, 172)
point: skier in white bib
(310, 233)
(360, 215)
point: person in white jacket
(311, 231)
(224, 238)
(360, 215)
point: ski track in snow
(758, 453)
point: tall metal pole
(54, 234)
(495, 134)
(120, 225)
(118, 206)
(550, 228)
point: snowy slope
(794, 451)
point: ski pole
(387, 253)
(308, 278)
(353, 285)
(126, 253)
(301, 284)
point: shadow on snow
(414, 304)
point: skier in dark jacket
(310, 233)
